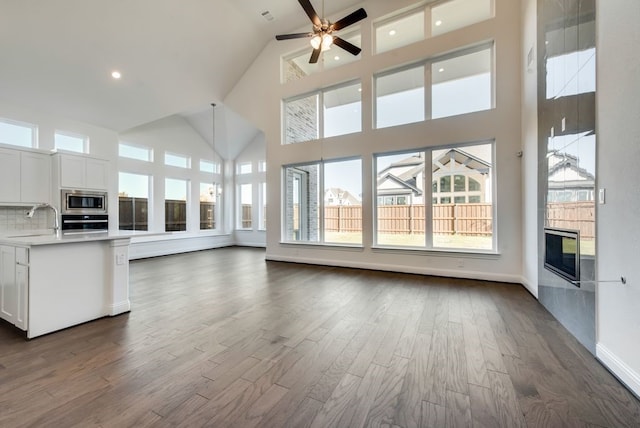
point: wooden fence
(573, 215)
(463, 219)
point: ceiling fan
(322, 33)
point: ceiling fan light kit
(322, 37)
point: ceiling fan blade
(314, 56)
(292, 36)
(311, 12)
(349, 47)
(356, 16)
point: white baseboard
(526, 284)
(119, 308)
(162, 247)
(458, 273)
(622, 371)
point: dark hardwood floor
(222, 338)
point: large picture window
(323, 202)
(454, 212)
(133, 201)
(245, 196)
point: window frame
(428, 81)
(320, 107)
(429, 203)
(17, 123)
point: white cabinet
(14, 285)
(9, 174)
(81, 172)
(25, 176)
(35, 175)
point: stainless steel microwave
(83, 202)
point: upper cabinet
(25, 176)
(80, 172)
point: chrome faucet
(56, 221)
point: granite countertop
(47, 237)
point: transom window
(18, 133)
(71, 142)
(135, 152)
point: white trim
(119, 308)
(525, 283)
(484, 276)
(619, 368)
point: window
(296, 66)
(342, 201)
(263, 206)
(400, 176)
(400, 97)
(246, 206)
(337, 217)
(262, 166)
(133, 201)
(180, 161)
(456, 14)
(175, 205)
(461, 225)
(301, 119)
(341, 114)
(208, 198)
(400, 31)
(210, 167)
(461, 199)
(462, 84)
(71, 142)
(342, 110)
(18, 133)
(135, 152)
(244, 168)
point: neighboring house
(568, 182)
(460, 177)
(336, 196)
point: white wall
(618, 110)
(258, 97)
(529, 147)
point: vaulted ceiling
(176, 57)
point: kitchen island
(50, 282)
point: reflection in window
(133, 201)
(175, 205)
(342, 110)
(400, 31)
(462, 84)
(301, 119)
(456, 14)
(208, 197)
(400, 97)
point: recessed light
(359, 89)
(116, 74)
(392, 32)
(441, 70)
(337, 58)
(438, 23)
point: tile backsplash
(15, 218)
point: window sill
(441, 252)
(319, 245)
